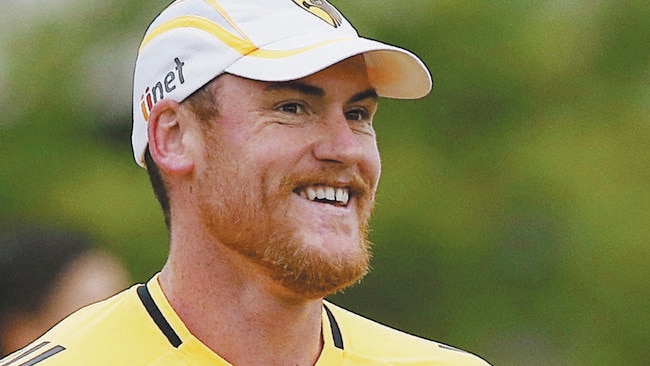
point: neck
(238, 312)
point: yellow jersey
(139, 327)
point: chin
(319, 269)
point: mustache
(331, 176)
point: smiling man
(297, 167)
(254, 120)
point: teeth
(330, 194)
(320, 193)
(340, 195)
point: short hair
(203, 104)
(158, 185)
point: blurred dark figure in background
(46, 274)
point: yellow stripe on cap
(224, 14)
(240, 45)
(270, 54)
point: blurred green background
(513, 217)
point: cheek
(373, 164)
(279, 152)
(263, 165)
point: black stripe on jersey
(444, 346)
(336, 331)
(26, 353)
(43, 356)
(158, 317)
(33, 361)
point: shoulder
(116, 331)
(368, 339)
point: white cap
(193, 41)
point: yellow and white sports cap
(193, 41)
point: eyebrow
(297, 86)
(366, 94)
(312, 90)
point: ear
(167, 143)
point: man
(254, 121)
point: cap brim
(392, 71)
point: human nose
(337, 142)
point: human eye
(291, 113)
(357, 115)
(291, 108)
(360, 120)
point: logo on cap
(323, 10)
(154, 94)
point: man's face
(289, 175)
